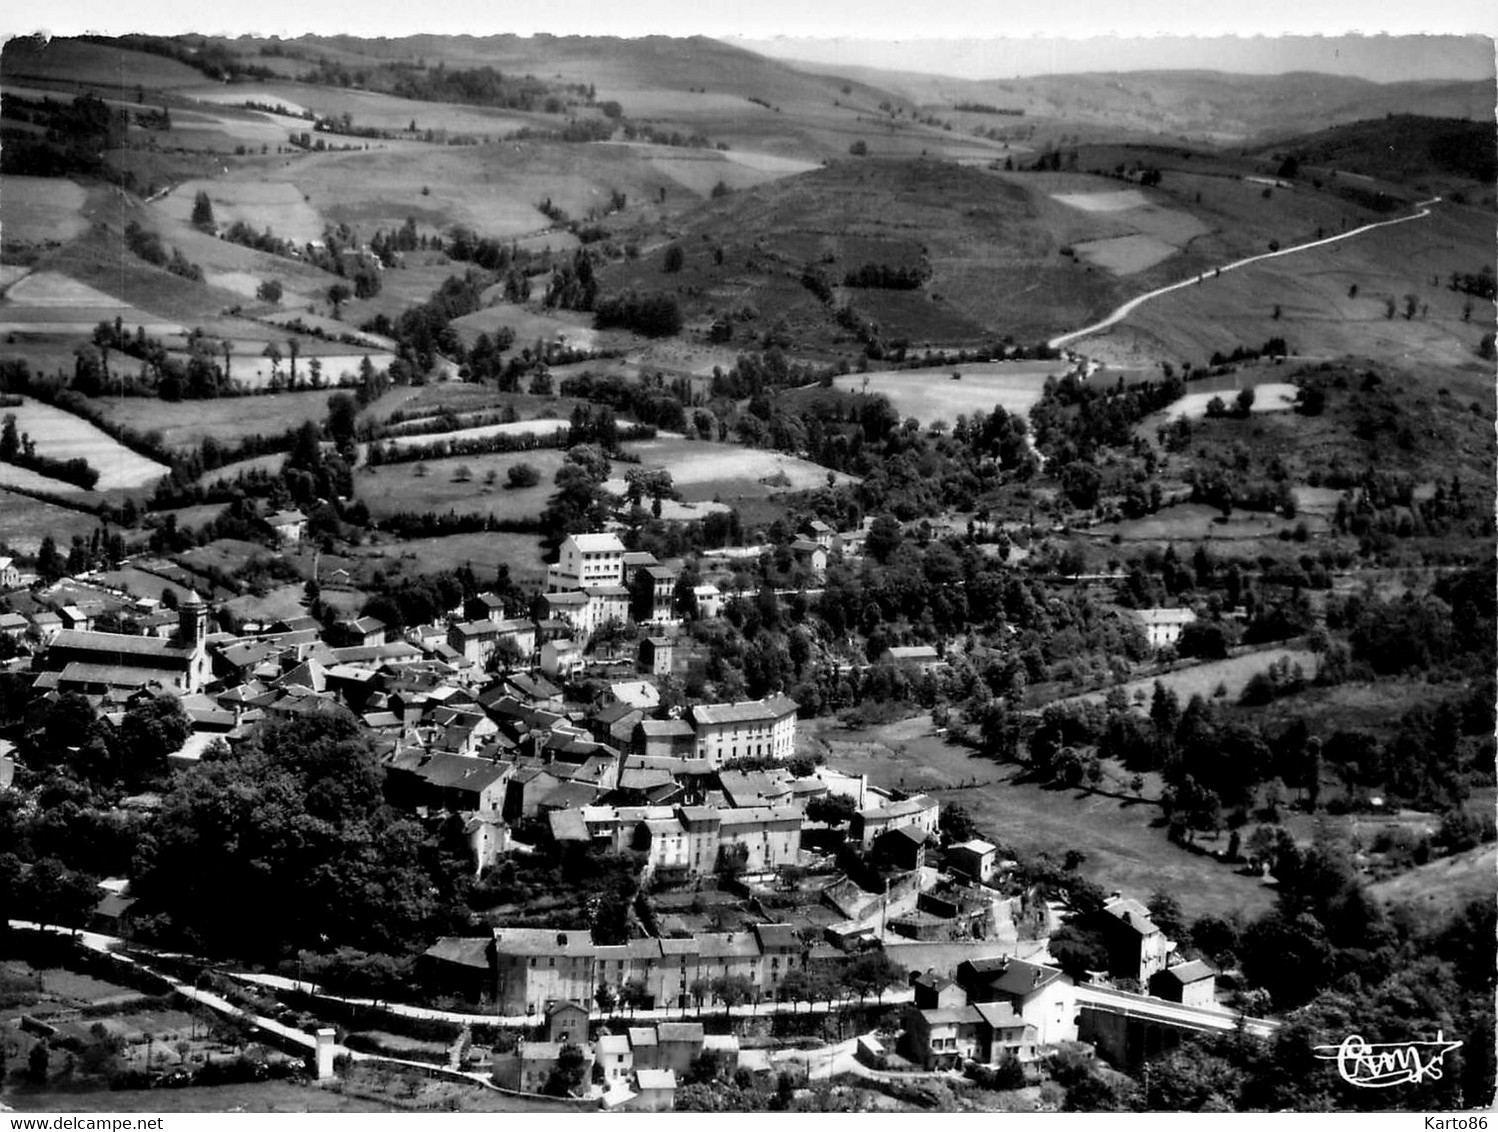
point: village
(774, 877)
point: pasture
(485, 551)
(435, 485)
(63, 436)
(702, 470)
(186, 424)
(533, 324)
(24, 521)
(1116, 830)
(274, 205)
(39, 209)
(258, 1097)
(540, 426)
(1442, 887)
(930, 395)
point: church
(84, 661)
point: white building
(754, 729)
(587, 560)
(1163, 627)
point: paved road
(1201, 1017)
(1128, 308)
(893, 997)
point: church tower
(192, 623)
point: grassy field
(484, 551)
(51, 302)
(276, 205)
(435, 487)
(1198, 522)
(185, 424)
(41, 208)
(1269, 397)
(541, 426)
(62, 436)
(932, 395)
(1441, 887)
(702, 470)
(1125, 850)
(24, 522)
(1203, 679)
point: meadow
(703, 470)
(434, 485)
(930, 395)
(1124, 848)
(25, 522)
(484, 551)
(38, 209)
(186, 424)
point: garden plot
(1270, 397)
(277, 205)
(36, 209)
(930, 395)
(62, 436)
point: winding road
(1128, 308)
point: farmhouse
(1162, 627)
(288, 526)
(921, 812)
(10, 577)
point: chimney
(1035, 978)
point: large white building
(586, 560)
(754, 729)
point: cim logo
(1383, 1066)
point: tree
(1078, 951)
(269, 291)
(859, 148)
(338, 294)
(202, 211)
(38, 1061)
(832, 809)
(522, 475)
(1165, 911)
(871, 973)
(675, 259)
(957, 824)
(152, 729)
(568, 1074)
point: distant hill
(1402, 148)
(1209, 105)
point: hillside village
(474, 720)
(546, 573)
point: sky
(945, 36)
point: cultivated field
(535, 427)
(1198, 522)
(46, 302)
(1125, 255)
(63, 436)
(532, 324)
(703, 470)
(931, 394)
